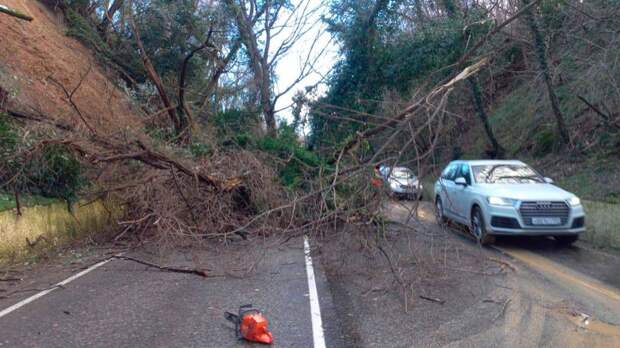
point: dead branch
(15, 13)
(605, 116)
(406, 114)
(37, 241)
(69, 96)
(202, 272)
(432, 299)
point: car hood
(526, 192)
(408, 182)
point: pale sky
(289, 66)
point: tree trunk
(498, 150)
(539, 44)
(259, 65)
(179, 127)
(18, 204)
(215, 78)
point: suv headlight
(574, 201)
(505, 202)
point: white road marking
(47, 291)
(315, 309)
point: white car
(506, 198)
(401, 182)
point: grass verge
(603, 224)
(7, 201)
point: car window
(449, 172)
(464, 172)
(506, 174)
(402, 173)
(384, 170)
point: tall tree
(497, 151)
(259, 61)
(541, 54)
(259, 22)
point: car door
(447, 188)
(462, 194)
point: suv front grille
(529, 210)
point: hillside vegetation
(169, 107)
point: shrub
(545, 141)
(53, 172)
(199, 150)
(236, 121)
(299, 162)
(56, 173)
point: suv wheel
(478, 228)
(566, 240)
(441, 218)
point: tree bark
(258, 63)
(541, 53)
(183, 112)
(215, 77)
(18, 204)
(498, 150)
(154, 77)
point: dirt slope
(32, 52)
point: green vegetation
(7, 201)
(50, 170)
(297, 162)
(603, 224)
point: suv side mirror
(548, 180)
(460, 181)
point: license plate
(546, 221)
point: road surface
(125, 304)
(554, 297)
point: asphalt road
(125, 304)
(542, 303)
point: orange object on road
(251, 325)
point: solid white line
(315, 309)
(58, 285)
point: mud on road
(530, 293)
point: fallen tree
(14, 13)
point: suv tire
(478, 228)
(439, 212)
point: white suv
(506, 198)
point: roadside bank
(44, 227)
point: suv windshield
(506, 174)
(402, 174)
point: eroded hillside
(37, 59)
